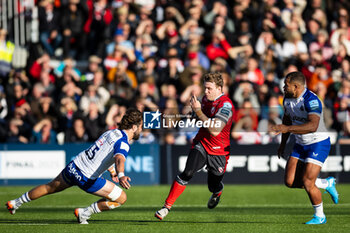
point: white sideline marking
(190, 206)
(34, 224)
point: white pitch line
(194, 206)
(26, 224)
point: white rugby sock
(321, 183)
(22, 199)
(319, 210)
(92, 209)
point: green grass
(243, 208)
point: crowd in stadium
(151, 54)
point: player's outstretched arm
(309, 127)
(120, 166)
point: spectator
(243, 132)
(319, 76)
(22, 124)
(192, 73)
(122, 82)
(74, 39)
(120, 38)
(114, 116)
(146, 137)
(6, 49)
(219, 15)
(14, 134)
(266, 41)
(254, 73)
(322, 44)
(93, 67)
(3, 106)
(343, 118)
(169, 38)
(247, 110)
(294, 46)
(93, 95)
(245, 92)
(77, 133)
(47, 109)
(149, 69)
(313, 26)
(39, 65)
(97, 25)
(43, 132)
(94, 122)
(49, 26)
(170, 68)
(68, 110)
(47, 84)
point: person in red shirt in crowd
(40, 64)
(210, 147)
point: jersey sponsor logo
(225, 111)
(313, 104)
(296, 118)
(151, 120)
(314, 154)
(100, 142)
(221, 170)
(113, 136)
(73, 171)
(124, 146)
(227, 105)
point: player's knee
(186, 175)
(122, 198)
(308, 183)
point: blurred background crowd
(81, 63)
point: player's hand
(115, 178)
(195, 104)
(124, 182)
(280, 151)
(277, 129)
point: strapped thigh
(115, 194)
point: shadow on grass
(249, 210)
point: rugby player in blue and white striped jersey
(303, 117)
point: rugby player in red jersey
(210, 147)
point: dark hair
(132, 117)
(297, 77)
(214, 78)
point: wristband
(121, 174)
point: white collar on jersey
(302, 94)
(218, 97)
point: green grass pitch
(243, 208)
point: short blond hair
(214, 77)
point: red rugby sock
(175, 191)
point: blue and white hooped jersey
(100, 156)
(298, 111)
